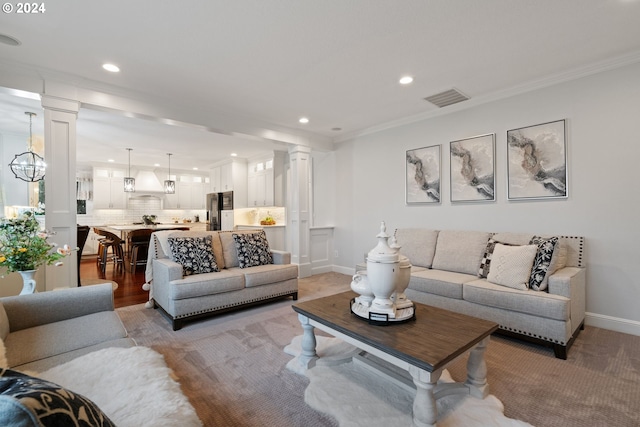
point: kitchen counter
(168, 226)
(276, 234)
(259, 226)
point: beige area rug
(232, 369)
(357, 396)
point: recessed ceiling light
(195, 169)
(110, 67)
(406, 80)
(304, 120)
(156, 164)
(110, 160)
(8, 40)
(234, 154)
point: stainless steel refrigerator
(220, 211)
(213, 211)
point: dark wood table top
(433, 339)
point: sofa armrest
(164, 272)
(27, 311)
(281, 257)
(570, 282)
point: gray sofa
(187, 297)
(46, 329)
(445, 273)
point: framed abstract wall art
(423, 175)
(537, 161)
(472, 168)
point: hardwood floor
(129, 290)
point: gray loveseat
(445, 273)
(46, 329)
(186, 297)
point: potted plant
(24, 248)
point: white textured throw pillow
(511, 265)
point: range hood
(147, 183)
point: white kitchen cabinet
(190, 192)
(215, 180)
(230, 175)
(261, 181)
(108, 188)
(226, 220)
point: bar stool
(138, 240)
(109, 240)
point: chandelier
(28, 166)
(129, 182)
(169, 184)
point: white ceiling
(273, 61)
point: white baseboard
(344, 270)
(617, 324)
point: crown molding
(574, 74)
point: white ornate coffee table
(423, 347)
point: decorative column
(299, 215)
(60, 184)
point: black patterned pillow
(485, 262)
(540, 270)
(30, 401)
(195, 254)
(253, 249)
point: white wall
(602, 112)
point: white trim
(344, 270)
(530, 86)
(625, 326)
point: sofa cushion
(206, 284)
(4, 322)
(195, 254)
(439, 282)
(252, 249)
(269, 273)
(39, 342)
(30, 401)
(417, 244)
(511, 265)
(460, 251)
(229, 246)
(539, 304)
(515, 239)
(542, 264)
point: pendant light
(169, 184)
(129, 182)
(28, 166)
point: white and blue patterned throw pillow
(542, 261)
(31, 401)
(253, 249)
(195, 254)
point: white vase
(28, 281)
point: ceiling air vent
(448, 97)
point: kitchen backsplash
(135, 209)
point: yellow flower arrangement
(23, 246)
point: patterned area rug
(357, 396)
